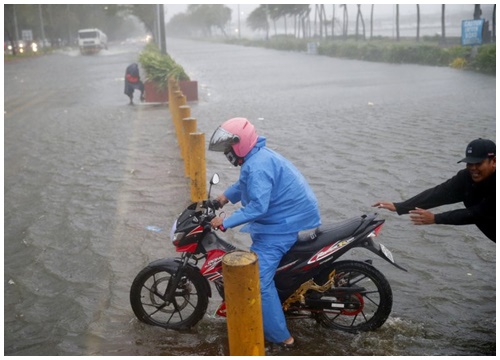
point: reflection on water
(87, 177)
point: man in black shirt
(475, 186)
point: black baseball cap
(478, 150)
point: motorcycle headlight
(176, 236)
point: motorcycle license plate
(387, 253)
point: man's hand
(216, 222)
(385, 205)
(421, 217)
(222, 199)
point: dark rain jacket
(133, 80)
(478, 198)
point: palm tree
(345, 21)
(443, 30)
(325, 22)
(418, 22)
(360, 16)
(371, 23)
(321, 14)
(257, 20)
(274, 14)
(333, 21)
(494, 24)
(397, 22)
(477, 12)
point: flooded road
(93, 185)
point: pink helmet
(237, 133)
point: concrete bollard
(243, 304)
(198, 168)
(188, 127)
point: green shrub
(378, 49)
(485, 60)
(159, 67)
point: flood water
(93, 185)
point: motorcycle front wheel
(182, 311)
(361, 298)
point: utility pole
(161, 29)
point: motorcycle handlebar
(213, 204)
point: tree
(397, 22)
(358, 17)
(477, 12)
(494, 24)
(371, 23)
(443, 29)
(206, 17)
(146, 13)
(333, 21)
(345, 22)
(418, 22)
(257, 20)
(322, 21)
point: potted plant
(158, 68)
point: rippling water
(92, 186)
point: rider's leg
(270, 249)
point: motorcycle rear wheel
(370, 305)
(183, 311)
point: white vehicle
(92, 41)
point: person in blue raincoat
(277, 203)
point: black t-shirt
(479, 200)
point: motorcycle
(346, 295)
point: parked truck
(91, 41)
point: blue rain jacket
(275, 196)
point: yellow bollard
(170, 87)
(243, 304)
(180, 100)
(198, 168)
(188, 126)
(183, 113)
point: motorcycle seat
(335, 231)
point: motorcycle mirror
(215, 179)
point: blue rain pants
(270, 248)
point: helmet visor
(222, 140)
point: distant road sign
(27, 35)
(472, 32)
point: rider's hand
(421, 217)
(222, 199)
(216, 222)
(385, 205)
